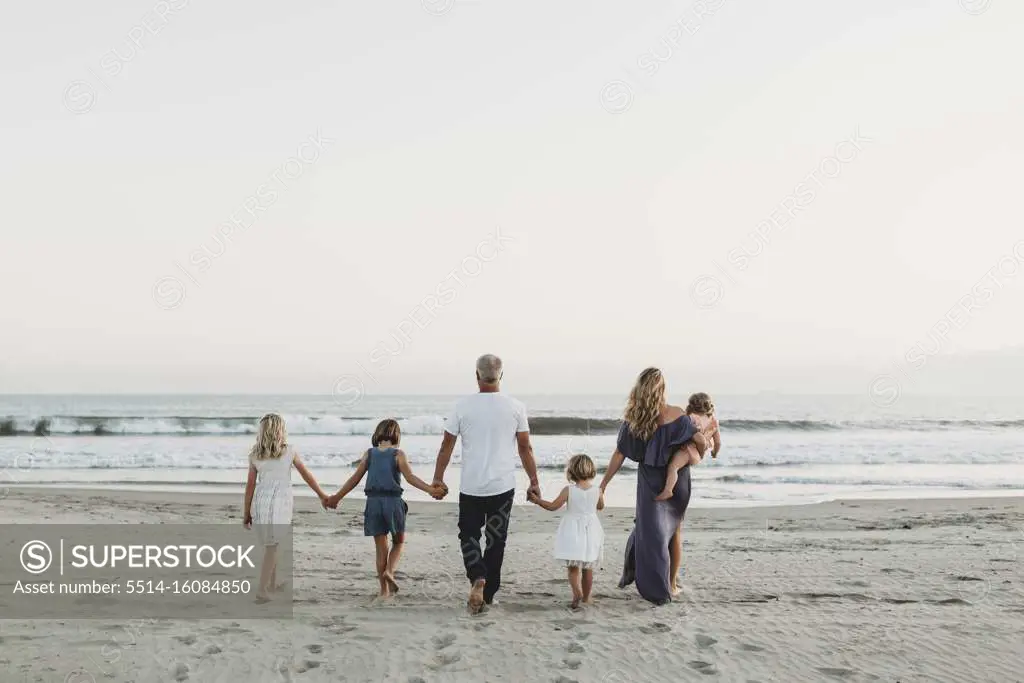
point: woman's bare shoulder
(671, 414)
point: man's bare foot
(392, 584)
(476, 596)
(664, 495)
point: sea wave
(853, 481)
(326, 425)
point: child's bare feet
(476, 596)
(392, 584)
(664, 495)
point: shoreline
(159, 493)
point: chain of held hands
(438, 491)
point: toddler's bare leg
(678, 461)
(588, 585)
(575, 585)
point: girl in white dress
(580, 538)
(268, 494)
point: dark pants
(491, 514)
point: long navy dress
(647, 557)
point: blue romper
(385, 510)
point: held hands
(438, 490)
(533, 493)
(331, 502)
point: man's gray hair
(488, 368)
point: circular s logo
(706, 291)
(616, 97)
(168, 293)
(79, 97)
(36, 557)
(79, 676)
(348, 391)
(884, 391)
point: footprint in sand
(573, 664)
(706, 668)
(315, 648)
(747, 647)
(448, 658)
(656, 627)
(705, 641)
(308, 665)
(213, 650)
(181, 672)
(836, 672)
(575, 649)
(443, 640)
(186, 640)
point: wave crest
(327, 425)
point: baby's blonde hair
(580, 468)
(271, 439)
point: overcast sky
(576, 186)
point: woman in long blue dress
(651, 432)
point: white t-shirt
(488, 424)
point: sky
(247, 197)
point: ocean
(777, 449)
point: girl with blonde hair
(268, 494)
(579, 541)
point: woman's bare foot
(676, 590)
(392, 584)
(664, 495)
(262, 598)
(476, 596)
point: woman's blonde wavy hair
(645, 402)
(271, 439)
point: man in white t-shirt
(494, 430)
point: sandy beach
(885, 590)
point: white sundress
(273, 500)
(580, 538)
